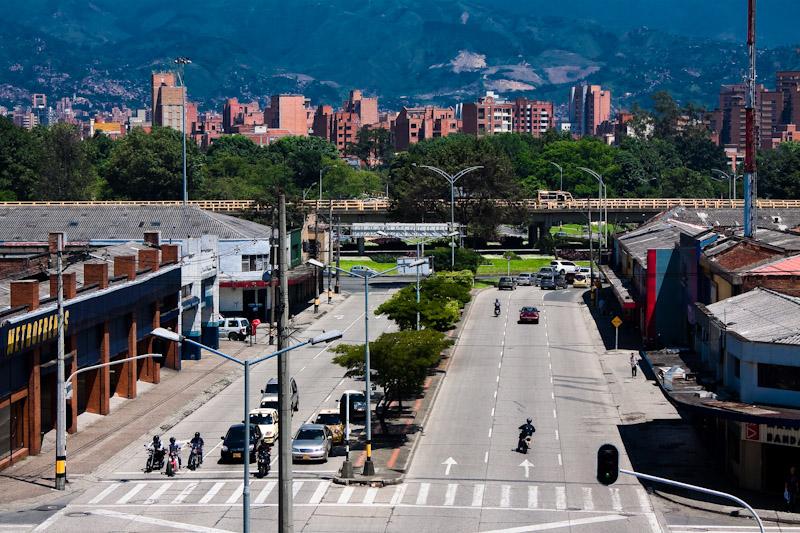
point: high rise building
(287, 112)
(167, 103)
(589, 106)
(414, 124)
(788, 84)
(365, 108)
(491, 114)
(245, 114)
(728, 123)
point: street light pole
(182, 62)
(452, 180)
(602, 233)
(561, 171)
(61, 400)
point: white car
(564, 267)
(267, 421)
(235, 328)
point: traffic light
(607, 464)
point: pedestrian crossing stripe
(542, 496)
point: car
(528, 315)
(236, 328)
(564, 267)
(269, 395)
(526, 279)
(361, 270)
(550, 281)
(333, 420)
(581, 281)
(358, 405)
(266, 418)
(506, 282)
(313, 442)
(542, 271)
(233, 443)
(586, 271)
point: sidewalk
(393, 449)
(155, 410)
(657, 440)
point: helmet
(197, 434)
(155, 438)
(172, 440)
(529, 420)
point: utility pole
(273, 252)
(182, 62)
(330, 246)
(316, 253)
(750, 180)
(61, 400)
(285, 511)
(336, 288)
(591, 254)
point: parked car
(266, 418)
(581, 281)
(358, 405)
(313, 442)
(506, 282)
(361, 270)
(333, 420)
(233, 443)
(269, 395)
(528, 315)
(564, 267)
(236, 328)
(526, 278)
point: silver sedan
(313, 442)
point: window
(254, 263)
(779, 377)
(186, 291)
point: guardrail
(381, 206)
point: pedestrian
(790, 487)
(634, 366)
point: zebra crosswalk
(512, 495)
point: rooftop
(659, 234)
(760, 315)
(781, 219)
(121, 222)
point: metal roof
(761, 315)
(773, 218)
(121, 222)
(659, 235)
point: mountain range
(407, 52)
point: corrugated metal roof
(788, 266)
(659, 235)
(121, 222)
(778, 219)
(761, 315)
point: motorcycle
(155, 458)
(172, 463)
(263, 459)
(195, 458)
(525, 438)
(496, 310)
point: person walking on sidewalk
(634, 366)
(790, 487)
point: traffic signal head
(607, 464)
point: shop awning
(624, 297)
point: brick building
(167, 102)
(589, 107)
(414, 124)
(235, 113)
(288, 112)
(341, 127)
(491, 114)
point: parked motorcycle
(195, 458)
(263, 458)
(155, 459)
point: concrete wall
(231, 252)
(751, 354)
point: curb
(372, 482)
(766, 515)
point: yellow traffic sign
(616, 321)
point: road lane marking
(588, 503)
(320, 491)
(185, 492)
(616, 501)
(559, 460)
(157, 494)
(450, 495)
(296, 486)
(328, 397)
(495, 394)
(234, 497)
(369, 497)
(264, 494)
(551, 380)
(477, 495)
(490, 433)
(211, 492)
(655, 527)
(556, 434)
(561, 498)
(498, 378)
(399, 492)
(55, 517)
(301, 370)
(552, 395)
(108, 490)
(422, 495)
(344, 497)
(500, 363)
(505, 496)
(533, 497)
(131, 493)
(559, 525)
(644, 500)
(486, 457)
(493, 412)
(158, 522)
(554, 414)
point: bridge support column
(533, 236)
(360, 242)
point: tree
(64, 172)
(666, 114)
(373, 145)
(401, 362)
(234, 145)
(465, 259)
(779, 171)
(305, 156)
(441, 301)
(686, 183)
(19, 161)
(343, 181)
(148, 166)
(697, 152)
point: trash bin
(210, 334)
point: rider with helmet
(175, 447)
(197, 442)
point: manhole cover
(46, 508)
(77, 514)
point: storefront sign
(780, 435)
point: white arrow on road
(449, 462)
(338, 317)
(526, 465)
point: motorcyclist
(175, 447)
(525, 430)
(197, 442)
(158, 450)
(497, 306)
(263, 453)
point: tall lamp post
(561, 171)
(452, 179)
(324, 337)
(731, 181)
(182, 61)
(601, 191)
(369, 466)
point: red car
(528, 314)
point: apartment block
(365, 108)
(491, 114)
(414, 124)
(167, 103)
(235, 113)
(288, 112)
(589, 107)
